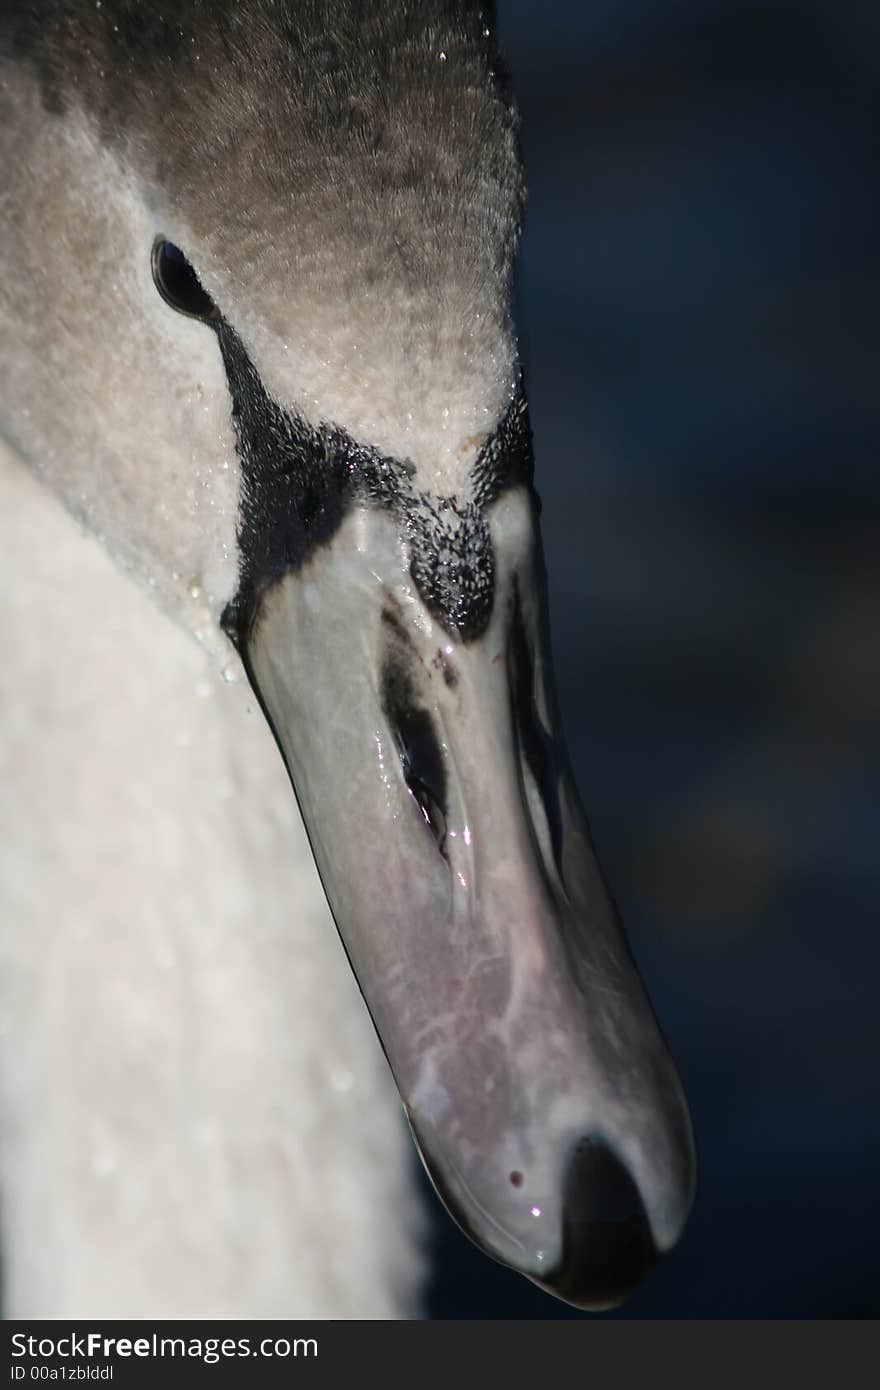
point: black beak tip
(608, 1248)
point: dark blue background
(699, 301)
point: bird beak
(451, 843)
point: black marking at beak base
(299, 481)
(453, 565)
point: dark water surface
(700, 295)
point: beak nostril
(536, 744)
(420, 755)
(435, 816)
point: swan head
(300, 400)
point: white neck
(196, 1117)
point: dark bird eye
(178, 283)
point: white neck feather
(197, 1120)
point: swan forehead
(424, 378)
(369, 277)
(299, 483)
(345, 180)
